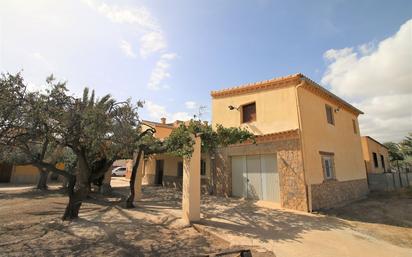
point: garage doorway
(256, 177)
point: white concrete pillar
(138, 180)
(191, 184)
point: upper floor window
(249, 113)
(355, 128)
(328, 165)
(329, 114)
(375, 160)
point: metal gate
(255, 177)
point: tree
(40, 128)
(395, 154)
(99, 132)
(12, 92)
(28, 124)
(406, 145)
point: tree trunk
(130, 199)
(79, 188)
(42, 183)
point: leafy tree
(406, 145)
(12, 94)
(41, 128)
(395, 154)
(29, 124)
(99, 132)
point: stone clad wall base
(333, 193)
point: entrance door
(159, 172)
(256, 177)
(5, 172)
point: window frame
(332, 116)
(383, 162)
(355, 126)
(202, 167)
(242, 112)
(179, 174)
(375, 160)
(331, 159)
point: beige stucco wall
(169, 168)
(368, 147)
(275, 110)
(25, 174)
(319, 135)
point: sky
(171, 54)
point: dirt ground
(387, 216)
(30, 225)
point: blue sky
(173, 53)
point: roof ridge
(242, 86)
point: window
(329, 114)
(202, 168)
(355, 128)
(383, 162)
(375, 160)
(180, 169)
(328, 165)
(249, 113)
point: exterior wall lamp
(231, 107)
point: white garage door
(255, 177)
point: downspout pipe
(308, 187)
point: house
(24, 174)
(166, 169)
(375, 155)
(308, 153)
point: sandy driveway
(288, 233)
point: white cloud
(160, 71)
(183, 116)
(139, 16)
(379, 81)
(127, 49)
(191, 105)
(157, 111)
(151, 39)
(152, 42)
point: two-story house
(308, 152)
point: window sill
(326, 180)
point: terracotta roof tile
(280, 82)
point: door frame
(159, 172)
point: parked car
(119, 171)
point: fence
(389, 181)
